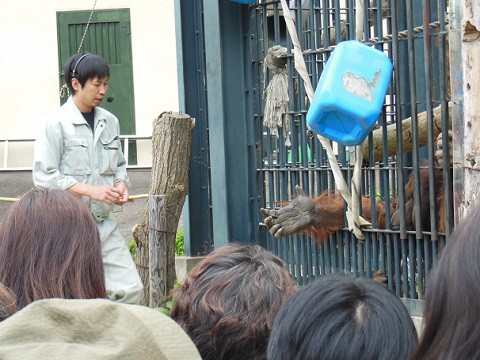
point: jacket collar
(78, 118)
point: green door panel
(108, 35)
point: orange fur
(331, 212)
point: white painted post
(470, 26)
(5, 154)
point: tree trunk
(171, 141)
(407, 135)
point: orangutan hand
(380, 277)
(439, 153)
(298, 215)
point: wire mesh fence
(400, 172)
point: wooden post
(157, 239)
(470, 31)
(171, 142)
(407, 135)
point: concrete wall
(29, 64)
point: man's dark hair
(340, 317)
(83, 66)
(228, 302)
(453, 291)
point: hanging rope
(357, 169)
(86, 28)
(64, 91)
(276, 94)
(355, 221)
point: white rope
(354, 221)
(357, 169)
(359, 19)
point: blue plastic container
(350, 94)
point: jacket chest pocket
(109, 156)
(75, 159)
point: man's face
(91, 94)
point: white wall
(29, 63)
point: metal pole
(456, 103)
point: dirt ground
(14, 184)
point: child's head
(340, 317)
(84, 66)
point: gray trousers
(121, 277)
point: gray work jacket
(67, 152)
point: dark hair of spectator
(50, 248)
(340, 317)
(452, 309)
(86, 66)
(228, 302)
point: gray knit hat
(92, 329)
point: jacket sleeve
(122, 165)
(47, 155)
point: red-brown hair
(228, 302)
(50, 248)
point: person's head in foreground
(452, 311)
(50, 248)
(228, 302)
(340, 317)
(92, 329)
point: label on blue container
(359, 86)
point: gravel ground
(14, 184)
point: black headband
(78, 61)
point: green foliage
(132, 246)
(378, 196)
(180, 244)
(163, 310)
(167, 309)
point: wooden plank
(407, 135)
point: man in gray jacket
(78, 148)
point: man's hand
(298, 215)
(106, 194)
(123, 193)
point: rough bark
(171, 142)
(407, 135)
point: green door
(108, 36)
